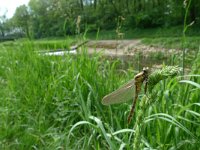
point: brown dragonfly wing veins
(125, 93)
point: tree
(45, 18)
(22, 19)
(2, 24)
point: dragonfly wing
(124, 93)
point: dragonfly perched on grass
(128, 91)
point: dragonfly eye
(136, 77)
(146, 69)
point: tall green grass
(53, 44)
(54, 102)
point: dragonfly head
(146, 70)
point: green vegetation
(42, 44)
(158, 37)
(50, 18)
(51, 102)
(192, 43)
(162, 32)
(54, 102)
(53, 44)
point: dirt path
(146, 55)
(117, 48)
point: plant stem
(154, 78)
(185, 26)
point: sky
(10, 6)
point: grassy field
(54, 102)
(159, 37)
(192, 43)
(164, 32)
(41, 44)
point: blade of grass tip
(187, 120)
(82, 101)
(78, 124)
(111, 116)
(120, 132)
(191, 75)
(190, 82)
(170, 119)
(181, 143)
(187, 88)
(76, 78)
(115, 137)
(182, 108)
(100, 125)
(146, 143)
(193, 113)
(198, 104)
(124, 131)
(89, 102)
(131, 131)
(162, 116)
(90, 138)
(122, 146)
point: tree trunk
(127, 6)
(2, 33)
(115, 8)
(81, 3)
(192, 11)
(95, 4)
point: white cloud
(9, 6)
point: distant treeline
(46, 18)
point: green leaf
(100, 125)
(190, 82)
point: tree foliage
(45, 18)
(22, 19)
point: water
(60, 53)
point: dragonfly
(128, 91)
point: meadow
(54, 102)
